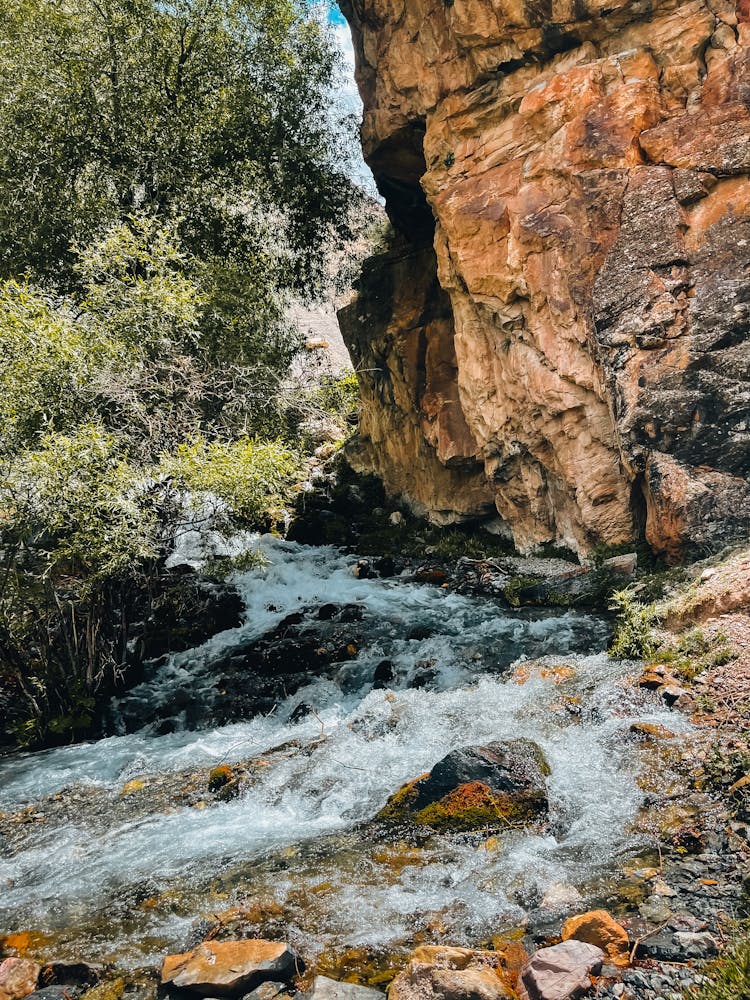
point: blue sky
(348, 93)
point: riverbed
(107, 855)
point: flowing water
(106, 877)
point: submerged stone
(446, 973)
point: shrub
(633, 637)
(729, 977)
(254, 479)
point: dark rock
(351, 613)
(500, 783)
(56, 993)
(384, 674)
(267, 991)
(328, 611)
(505, 766)
(386, 566)
(70, 974)
(300, 712)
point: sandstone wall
(560, 332)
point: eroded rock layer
(561, 330)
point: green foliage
(217, 113)
(78, 490)
(633, 637)
(172, 173)
(339, 395)
(47, 364)
(729, 976)
(252, 478)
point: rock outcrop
(559, 333)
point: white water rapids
(296, 828)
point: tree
(215, 114)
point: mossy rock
(399, 805)
(474, 805)
(500, 784)
(220, 776)
(111, 990)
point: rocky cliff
(560, 331)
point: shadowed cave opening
(398, 165)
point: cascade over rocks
(558, 333)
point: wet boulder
(562, 972)
(230, 968)
(500, 783)
(18, 978)
(55, 993)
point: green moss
(398, 806)
(219, 777)
(514, 587)
(729, 976)
(474, 805)
(111, 990)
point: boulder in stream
(230, 968)
(601, 929)
(500, 783)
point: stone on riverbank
(18, 978)
(562, 972)
(445, 973)
(501, 782)
(599, 928)
(230, 968)
(324, 988)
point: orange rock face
(601, 929)
(559, 334)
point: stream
(117, 852)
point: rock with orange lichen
(652, 730)
(599, 928)
(558, 333)
(500, 784)
(230, 968)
